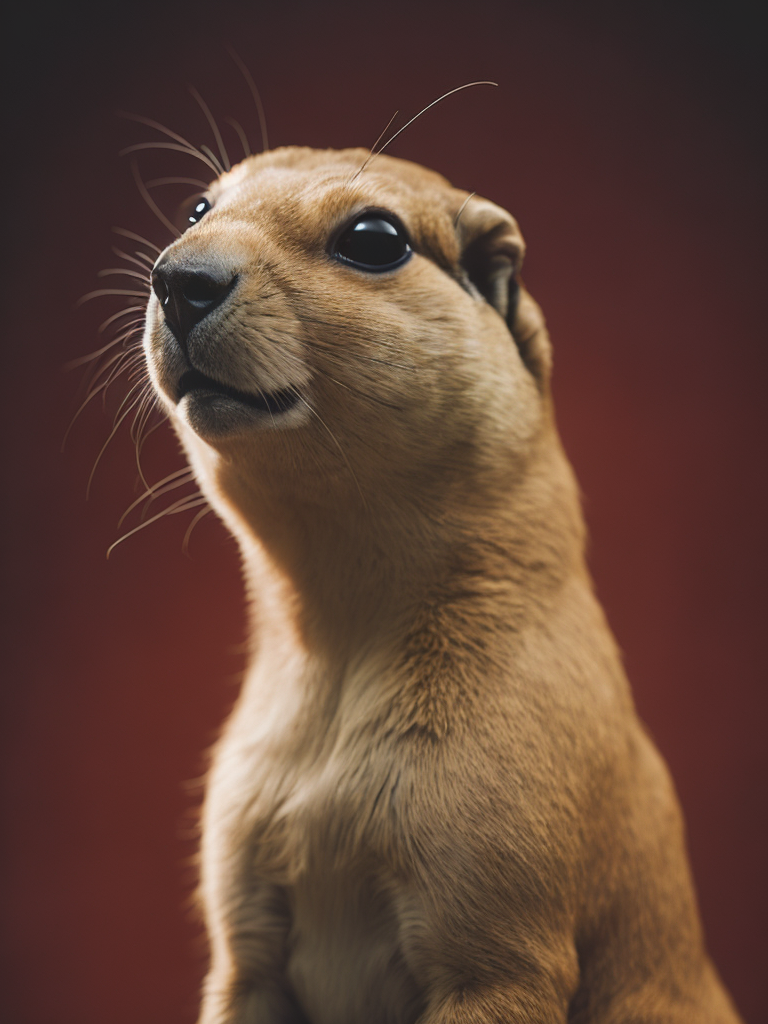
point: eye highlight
(201, 207)
(374, 241)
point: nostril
(188, 294)
(203, 290)
(159, 287)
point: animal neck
(348, 577)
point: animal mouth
(193, 382)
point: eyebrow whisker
(214, 127)
(256, 97)
(460, 88)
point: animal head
(327, 322)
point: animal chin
(200, 386)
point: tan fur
(433, 802)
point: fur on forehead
(304, 190)
(338, 162)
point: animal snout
(188, 294)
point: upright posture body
(433, 802)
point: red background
(625, 138)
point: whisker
(172, 510)
(147, 432)
(341, 450)
(343, 360)
(178, 181)
(372, 150)
(155, 490)
(214, 127)
(144, 410)
(467, 85)
(111, 271)
(137, 238)
(81, 360)
(124, 312)
(114, 430)
(138, 425)
(147, 259)
(95, 383)
(159, 127)
(359, 356)
(133, 359)
(212, 156)
(150, 201)
(139, 417)
(256, 97)
(241, 134)
(96, 390)
(366, 395)
(132, 259)
(109, 291)
(200, 515)
(91, 395)
(198, 155)
(119, 361)
(462, 208)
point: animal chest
(331, 839)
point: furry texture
(433, 802)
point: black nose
(188, 295)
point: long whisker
(467, 85)
(150, 201)
(81, 360)
(367, 396)
(343, 360)
(132, 259)
(176, 148)
(137, 238)
(360, 356)
(110, 271)
(176, 479)
(200, 515)
(123, 312)
(146, 434)
(110, 291)
(256, 97)
(104, 375)
(147, 259)
(137, 425)
(372, 150)
(341, 450)
(241, 134)
(178, 506)
(119, 419)
(212, 156)
(95, 390)
(126, 351)
(159, 127)
(178, 181)
(214, 127)
(144, 410)
(462, 208)
(133, 360)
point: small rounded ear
(492, 250)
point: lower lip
(200, 388)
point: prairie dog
(433, 802)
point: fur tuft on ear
(492, 251)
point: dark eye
(373, 242)
(201, 207)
